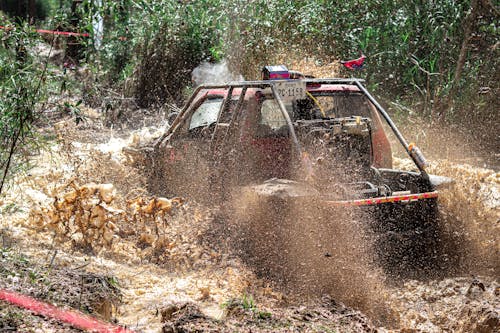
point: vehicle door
(265, 140)
(189, 159)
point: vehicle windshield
(271, 114)
(206, 113)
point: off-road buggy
(288, 139)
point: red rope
(63, 33)
(54, 32)
(72, 317)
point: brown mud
(177, 271)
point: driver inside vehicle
(306, 109)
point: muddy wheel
(408, 240)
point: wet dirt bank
(176, 273)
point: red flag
(356, 64)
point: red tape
(72, 317)
(382, 200)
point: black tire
(408, 239)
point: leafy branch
(20, 92)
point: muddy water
(197, 267)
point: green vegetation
(247, 304)
(23, 81)
(428, 50)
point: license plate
(291, 90)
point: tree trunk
(74, 48)
(20, 14)
(32, 10)
(462, 57)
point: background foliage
(413, 47)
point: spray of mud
(457, 144)
(311, 251)
(470, 212)
(331, 254)
(469, 216)
(308, 251)
(470, 208)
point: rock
(489, 323)
(167, 313)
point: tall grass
(22, 87)
(412, 47)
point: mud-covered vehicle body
(304, 138)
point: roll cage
(239, 90)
